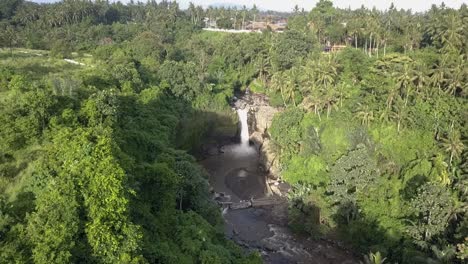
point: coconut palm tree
(453, 145)
(404, 81)
(263, 67)
(365, 114)
(452, 35)
(374, 258)
(457, 76)
(330, 100)
(278, 84)
(420, 78)
(400, 113)
(438, 77)
(313, 102)
(292, 84)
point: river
(237, 177)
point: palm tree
(315, 103)
(278, 84)
(192, 12)
(263, 67)
(392, 96)
(438, 77)
(452, 35)
(292, 76)
(343, 92)
(330, 100)
(457, 77)
(372, 258)
(453, 145)
(400, 114)
(439, 170)
(365, 114)
(420, 78)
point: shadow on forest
(155, 133)
(361, 233)
(164, 121)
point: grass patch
(38, 63)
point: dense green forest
(95, 155)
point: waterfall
(244, 135)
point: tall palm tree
(263, 67)
(330, 100)
(278, 84)
(404, 81)
(452, 35)
(453, 144)
(438, 77)
(420, 79)
(365, 114)
(400, 114)
(292, 82)
(457, 76)
(313, 102)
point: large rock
(260, 118)
(269, 158)
(261, 114)
(257, 138)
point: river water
(236, 174)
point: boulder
(269, 158)
(260, 118)
(257, 138)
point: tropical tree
(374, 258)
(453, 145)
(365, 114)
(278, 84)
(431, 209)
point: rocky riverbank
(252, 197)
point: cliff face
(260, 117)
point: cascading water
(244, 135)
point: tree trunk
(370, 45)
(365, 46)
(282, 97)
(378, 44)
(355, 41)
(385, 48)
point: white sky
(288, 5)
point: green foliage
(352, 174)
(431, 209)
(53, 228)
(411, 144)
(90, 170)
(287, 123)
(306, 169)
(181, 79)
(289, 48)
(376, 258)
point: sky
(288, 5)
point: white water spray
(244, 135)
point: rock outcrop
(260, 118)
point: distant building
(334, 48)
(263, 25)
(209, 23)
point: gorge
(255, 209)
